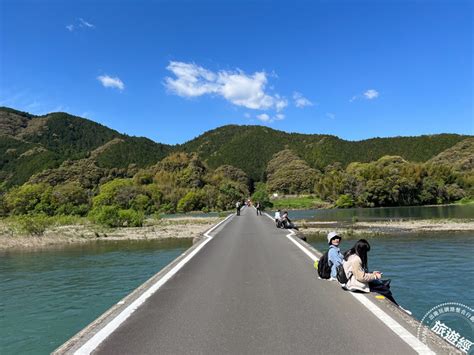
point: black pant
(238, 211)
(382, 287)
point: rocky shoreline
(188, 227)
(183, 227)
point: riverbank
(386, 227)
(56, 236)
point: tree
(287, 173)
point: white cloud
(84, 23)
(300, 100)
(80, 23)
(371, 94)
(269, 119)
(247, 115)
(111, 82)
(330, 115)
(236, 87)
(264, 117)
(281, 103)
(368, 95)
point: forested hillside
(59, 164)
(31, 144)
(250, 148)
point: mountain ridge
(30, 144)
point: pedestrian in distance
(358, 275)
(335, 257)
(237, 206)
(258, 206)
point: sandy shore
(183, 227)
(387, 227)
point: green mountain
(56, 146)
(250, 148)
(459, 156)
(31, 144)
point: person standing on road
(237, 206)
(259, 208)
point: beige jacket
(358, 278)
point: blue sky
(170, 70)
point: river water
(48, 296)
(385, 213)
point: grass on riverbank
(465, 201)
(298, 202)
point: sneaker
(405, 310)
(332, 279)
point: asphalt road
(250, 290)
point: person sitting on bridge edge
(357, 272)
(278, 218)
(335, 258)
(286, 221)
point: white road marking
(102, 334)
(396, 327)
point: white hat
(332, 235)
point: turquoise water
(426, 269)
(425, 212)
(48, 296)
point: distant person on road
(335, 258)
(237, 206)
(278, 219)
(258, 206)
(358, 275)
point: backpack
(324, 270)
(341, 275)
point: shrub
(118, 192)
(113, 216)
(192, 201)
(229, 194)
(29, 198)
(142, 203)
(106, 215)
(261, 195)
(70, 198)
(130, 218)
(345, 201)
(143, 177)
(33, 225)
(167, 208)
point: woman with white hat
(335, 258)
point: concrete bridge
(249, 288)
